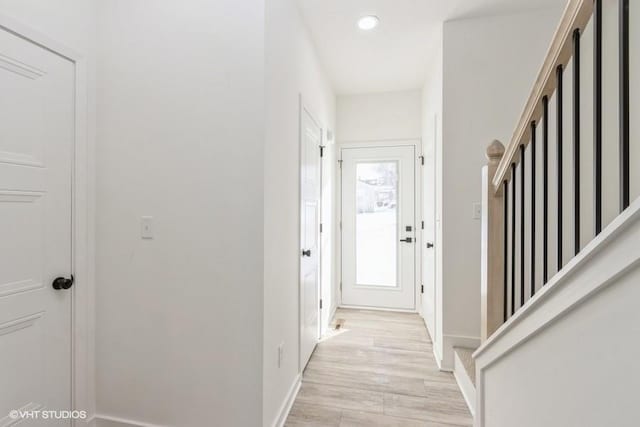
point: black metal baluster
(533, 208)
(624, 103)
(506, 248)
(522, 225)
(597, 113)
(576, 141)
(513, 238)
(545, 190)
(559, 160)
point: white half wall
(487, 79)
(292, 71)
(569, 357)
(181, 139)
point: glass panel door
(378, 227)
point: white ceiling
(394, 56)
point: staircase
(561, 238)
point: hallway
(377, 369)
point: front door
(311, 139)
(378, 227)
(36, 146)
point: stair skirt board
(465, 383)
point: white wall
(432, 197)
(487, 79)
(72, 23)
(180, 138)
(379, 116)
(292, 68)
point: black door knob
(62, 283)
(306, 253)
(407, 240)
(429, 245)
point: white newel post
(492, 287)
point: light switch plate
(477, 210)
(146, 227)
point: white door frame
(303, 106)
(82, 261)
(417, 144)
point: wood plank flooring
(377, 369)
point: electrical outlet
(280, 354)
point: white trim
(332, 314)
(303, 106)
(437, 353)
(385, 142)
(369, 308)
(465, 383)
(611, 255)
(283, 413)
(123, 422)
(82, 383)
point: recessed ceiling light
(368, 22)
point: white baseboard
(369, 308)
(451, 341)
(288, 403)
(109, 421)
(465, 383)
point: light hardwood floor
(377, 369)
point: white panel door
(378, 227)
(36, 143)
(311, 135)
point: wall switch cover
(146, 227)
(477, 210)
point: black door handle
(62, 283)
(306, 253)
(429, 245)
(407, 240)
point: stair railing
(510, 178)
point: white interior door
(36, 143)
(378, 227)
(311, 135)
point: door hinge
(321, 304)
(321, 227)
(340, 286)
(322, 151)
(422, 289)
(423, 225)
(421, 160)
(340, 163)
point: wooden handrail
(576, 16)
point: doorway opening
(379, 234)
